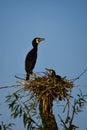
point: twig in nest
(19, 77)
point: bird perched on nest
(31, 57)
(53, 73)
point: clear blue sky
(63, 24)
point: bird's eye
(37, 40)
(51, 71)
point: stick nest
(49, 86)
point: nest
(49, 86)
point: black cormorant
(53, 73)
(31, 57)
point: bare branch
(78, 76)
(12, 86)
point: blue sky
(63, 24)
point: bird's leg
(27, 76)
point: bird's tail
(27, 76)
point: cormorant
(53, 73)
(31, 57)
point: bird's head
(51, 71)
(36, 41)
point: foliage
(21, 108)
(72, 110)
(4, 126)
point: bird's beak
(42, 39)
(47, 69)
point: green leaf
(24, 119)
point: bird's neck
(36, 47)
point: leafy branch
(4, 126)
(74, 109)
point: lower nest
(48, 86)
